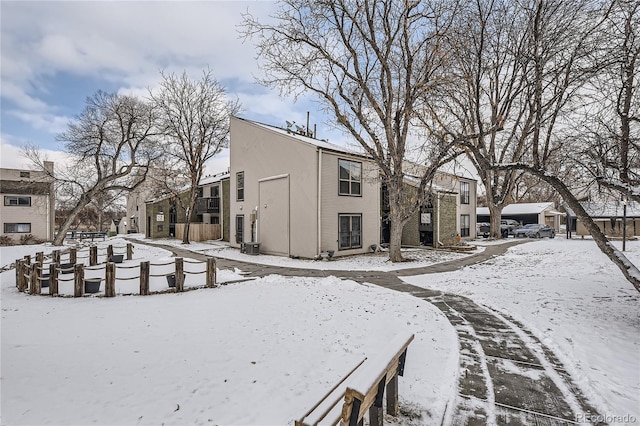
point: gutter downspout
(439, 196)
(319, 219)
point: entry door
(273, 216)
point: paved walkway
(507, 376)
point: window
(240, 186)
(160, 228)
(350, 177)
(200, 192)
(214, 201)
(17, 201)
(215, 220)
(464, 192)
(22, 228)
(465, 225)
(25, 174)
(350, 231)
(239, 228)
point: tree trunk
(66, 225)
(495, 214)
(395, 223)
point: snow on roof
(610, 208)
(415, 181)
(214, 178)
(518, 208)
(308, 140)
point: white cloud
(13, 157)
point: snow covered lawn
(416, 257)
(256, 352)
(575, 301)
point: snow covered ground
(256, 352)
(264, 351)
(575, 301)
(379, 261)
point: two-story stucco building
(28, 205)
(299, 196)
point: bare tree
(563, 46)
(110, 146)
(195, 122)
(610, 130)
(370, 63)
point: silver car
(535, 230)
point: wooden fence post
(129, 251)
(109, 252)
(73, 255)
(376, 413)
(53, 279)
(144, 278)
(93, 255)
(55, 256)
(78, 280)
(211, 272)
(40, 257)
(27, 259)
(20, 271)
(392, 396)
(179, 274)
(110, 280)
(34, 282)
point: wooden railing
(30, 276)
(362, 390)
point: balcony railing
(208, 205)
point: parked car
(535, 230)
(483, 229)
(507, 226)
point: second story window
(464, 192)
(240, 186)
(350, 177)
(17, 201)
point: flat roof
(518, 208)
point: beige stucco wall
(261, 154)
(268, 155)
(40, 214)
(334, 204)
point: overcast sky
(56, 53)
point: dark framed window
(349, 231)
(240, 186)
(214, 201)
(25, 174)
(464, 192)
(215, 220)
(239, 228)
(465, 225)
(17, 228)
(349, 178)
(200, 192)
(16, 201)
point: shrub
(6, 240)
(29, 239)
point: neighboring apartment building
(299, 196)
(164, 215)
(28, 203)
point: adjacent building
(295, 195)
(28, 203)
(299, 196)
(526, 213)
(165, 216)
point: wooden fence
(31, 275)
(200, 231)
